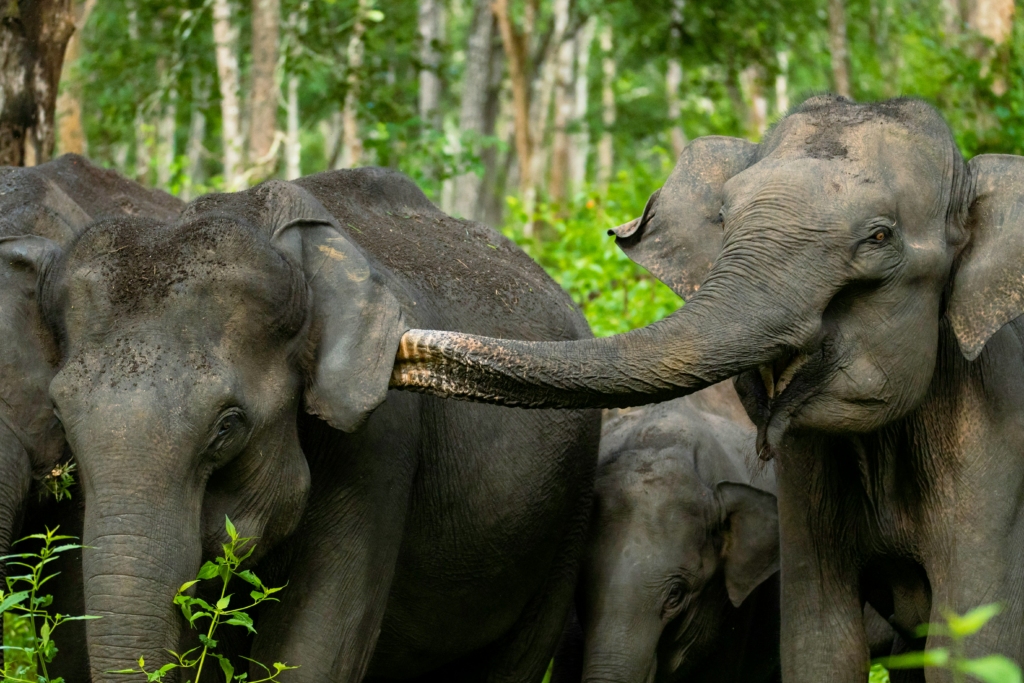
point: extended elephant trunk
(138, 556)
(712, 338)
(15, 482)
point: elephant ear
(357, 321)
(29, 351)
(750, 544)
(988, 288)
(679, 235)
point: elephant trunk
(622, 655)
(733, 324)
(15, 483)
(142, 547)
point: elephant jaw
(777, 375)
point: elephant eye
(230, 425)
(676, 594)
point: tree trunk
(498, 124)
(266, 20)
(752, 87)
(225, 38)
(70, 132)
(674, 80)
(476, 92)
(564, 107)
(992, 19)
(352, 143)
(782, 84)
(580, 147)
(144, 140)
(431, 30)
(33, 37)
(605, 151)
(196, 136)
(515, 51)
(166, 151)
(292, 148)
(838, 47)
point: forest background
(550, 119)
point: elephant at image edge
(52, 202)
(678, 582)
(236, 362)
(864, 282)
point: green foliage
(29, 627)
(572, 244)
(59, 481)
(197, 611)
(957, 629)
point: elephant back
(455, 274)
(58, 199)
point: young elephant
(866, 284)
(42, 208)
(236, 362)
(678, 581)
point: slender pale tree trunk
(33, 37)
(564, 106)
(782, 84)
(579, 150)
(992, 19)
(352, 143)
(475, 96)
(293, 150)
(431, 30)
(166, 151)
(605, 150)
(70, 133)
(266, 32)
(515, 44)
(952, 16)
(225, 39)
(674, 80)
(838, 47)
(196, 136)
(752, 88)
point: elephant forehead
(211, 279)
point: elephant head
(825, 264)
(188, 349)
(672, 544)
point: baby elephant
(680, 578)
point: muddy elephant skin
(236, 362)
(865, 284)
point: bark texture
(352, 143)
(580, 148)
(515, 44)
(266, 30)
(674, 80)
(70, 133)
(838, 46)
(225, 38)
(33, 37)
(431, 30)
(605, 151)
(473, 109)
(564, 101)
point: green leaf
(223, 603)
(227, 667)
(185, 586)
(249, 577)
(12, 600)
(973, 621)
(232, 532)
(241, 619)
(207, 641)
(916, 660)
(208, 571)
(375, 15)
(993, 669)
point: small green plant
(23, 605)
(59, 481)
(957, 628)
(206, 618)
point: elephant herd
(342, 370)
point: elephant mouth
(776, 392)
(778, 375)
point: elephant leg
(346, 548)
(822, 623)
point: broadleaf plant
(207, 618)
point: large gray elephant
(236, 362)
(679, 580)
(42, 208)
(864, 282)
